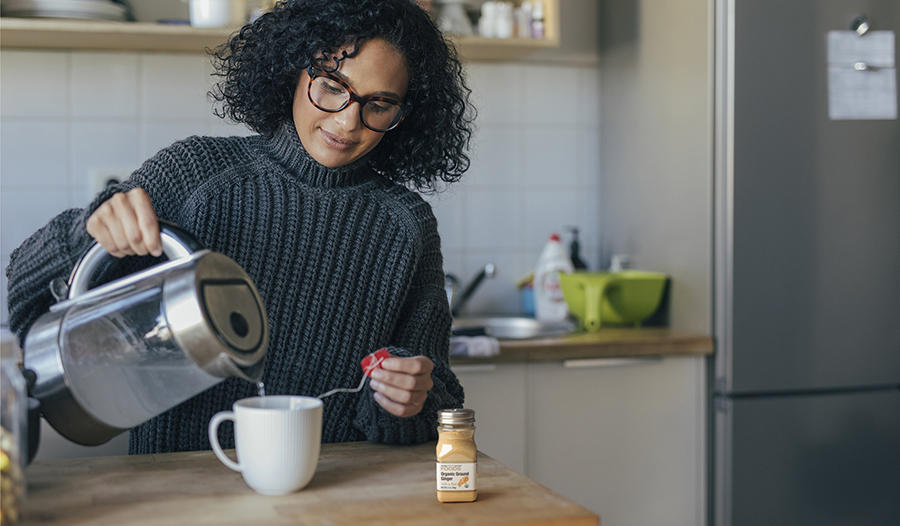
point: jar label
(552, 287)
(456, 476)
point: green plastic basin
(625, 297)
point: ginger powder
(456, 456)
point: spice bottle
(456, 456)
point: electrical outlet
(101, 177)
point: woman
(354, 102)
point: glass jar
(456, 456)
(13, 437)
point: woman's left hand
(401, 384)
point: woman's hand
(126, 225)
(401, 384)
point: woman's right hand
(126, 225)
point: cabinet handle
(475, 368)
(608, 362)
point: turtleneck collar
(285, 147)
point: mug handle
(217, 419)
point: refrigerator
(805, 394)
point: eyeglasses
(330, 93)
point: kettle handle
(177, 243)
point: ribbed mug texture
(277, 440)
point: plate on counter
(80, 9)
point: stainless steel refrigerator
(805, 402)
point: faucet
(451, 285)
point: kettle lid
(217, 316)
(235, 313)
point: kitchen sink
(510, 327)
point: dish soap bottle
(549, 303)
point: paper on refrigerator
(862, 75)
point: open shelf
(36, 33)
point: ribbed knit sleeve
(423, 329)
(48, 254)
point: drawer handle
(475, 368)
(609, 362)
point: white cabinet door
(497, 394)
(624, 439)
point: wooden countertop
(355, 483)
(606, 343)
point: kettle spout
(224, 367)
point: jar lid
(456, 416)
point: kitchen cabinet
(139, 36)
(621, 436)
(497, 394)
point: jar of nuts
(13, 437)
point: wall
(656, 115)
(656, 142)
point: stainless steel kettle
(112, 357)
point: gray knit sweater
(346, 262)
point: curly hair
(261, 65)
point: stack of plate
(84, 9)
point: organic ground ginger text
(456, 456)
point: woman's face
(338, 139)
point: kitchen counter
(608, 342)
(355, 483)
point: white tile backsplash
(497, 92)
(448, 210)
(34, 84)
(4, 308)
(23, 212)
(496, 158)
(102, 145)
(493, 220)
(589, 229)
(453, 263)
(34, 154)
(548, 211)
(535, 166)
(551, 157)
(104, 85)
(174, 86)
(553, 95)
(589, 158)
(589, 97)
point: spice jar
(456, 456)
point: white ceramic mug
(277, 441)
